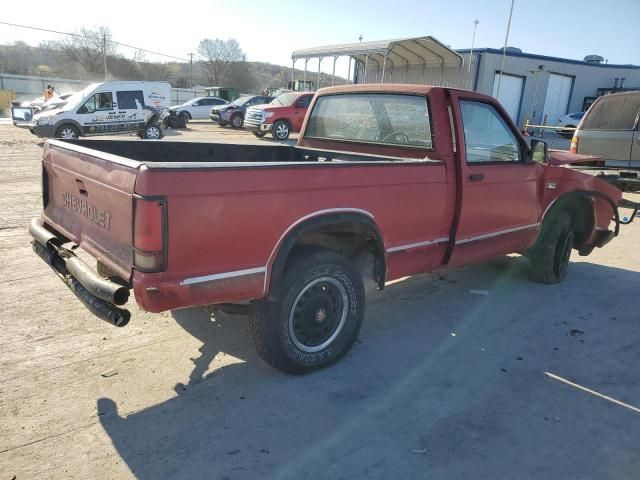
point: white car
(570, 120)
(198, 108)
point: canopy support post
(366, 63)
(319, 62)
(306, 60)
(333, 72)
(384, 65)
(348, 71)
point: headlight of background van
(268, 114)
(44, 120)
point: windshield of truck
(388, 119)
(286, 99)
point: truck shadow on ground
(441, 380)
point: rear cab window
(615, 112)
(376, 118)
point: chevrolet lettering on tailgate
(84, 208)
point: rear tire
(315, 317)
(152, 132)
(259, 134)
(551, 253)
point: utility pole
(104, 54)
(191, 70)
(504, 51)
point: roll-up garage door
(510, 93)
(557, 100)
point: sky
(270, 31)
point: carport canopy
(426, 51)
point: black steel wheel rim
(318, 314)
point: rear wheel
(551, 253)
(259, 134)
(152, 132)
(68, 132)
(281, 130)
(316, 314)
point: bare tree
(86, 48)
(218, 55)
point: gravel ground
(524, 382)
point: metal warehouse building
(534, 87)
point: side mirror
(539, 151)
(195, 104)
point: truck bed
(201, 155)
(230, 203)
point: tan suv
(610, 128)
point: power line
(93, 38)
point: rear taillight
(574, 143)
(150, 234)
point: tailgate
(88, 197)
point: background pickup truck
(385, 181)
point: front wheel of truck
(551, 253)
(316, 314)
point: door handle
(475, 177)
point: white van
(106, 108)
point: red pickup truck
(281, 117)
(385, 181)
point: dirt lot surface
(443, 383)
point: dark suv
(233, 113)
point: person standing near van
(48, 93)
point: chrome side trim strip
(222, 276)
(497, 234)
(409, 246)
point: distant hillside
(46, 60)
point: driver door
(97, 113)
(500, 208)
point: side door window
(304, 102)
(487, 137)
(99, 102)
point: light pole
(473, 42)
(504, 50)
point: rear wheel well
(359, 242)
